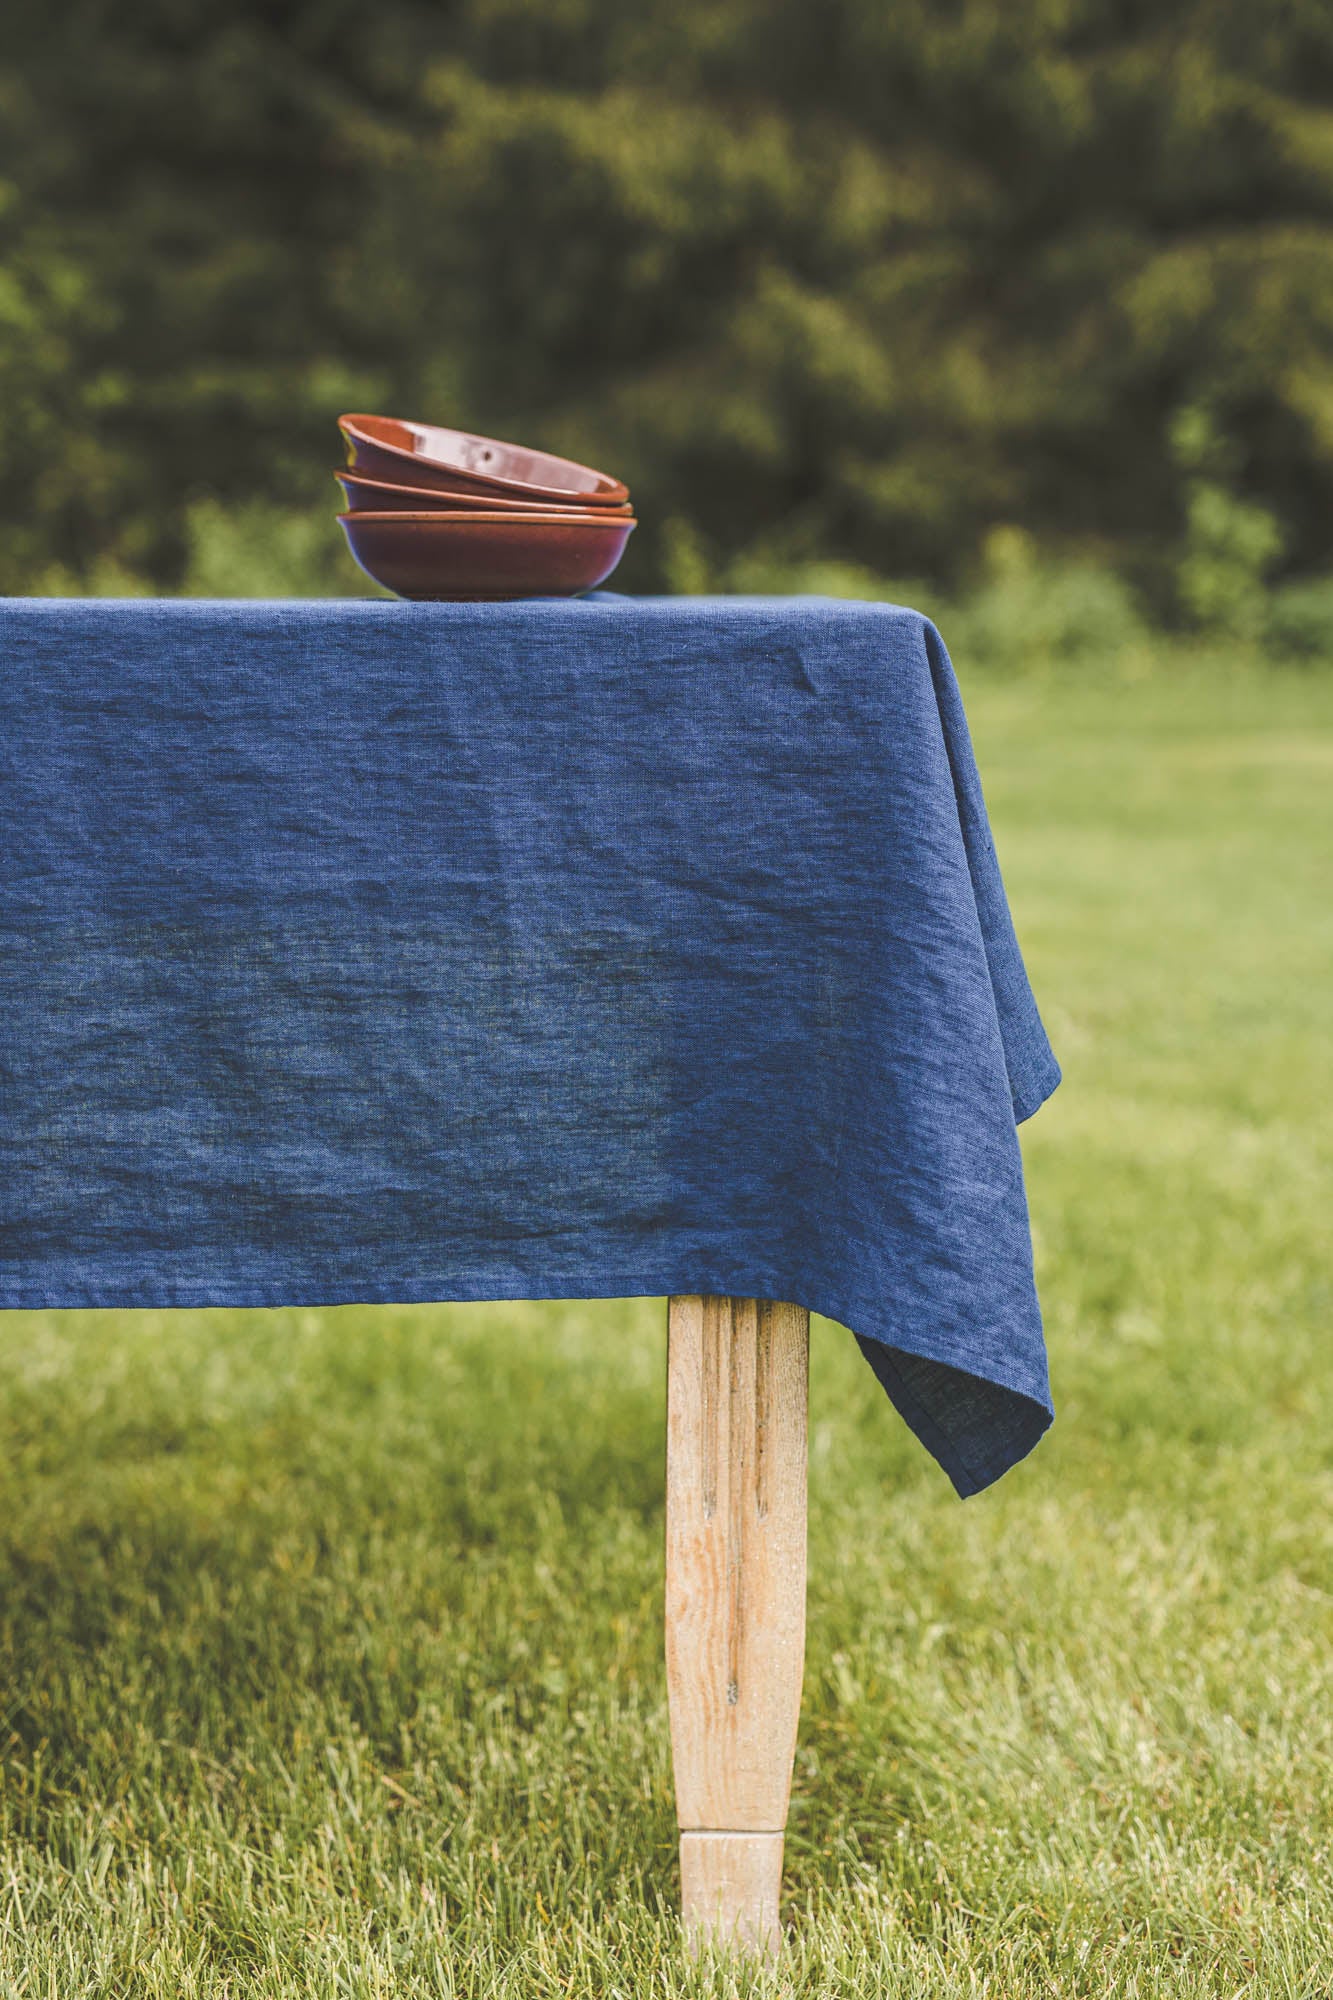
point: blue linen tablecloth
(380, 951)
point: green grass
(330, 1644)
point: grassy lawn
(330, 1641)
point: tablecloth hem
(968, 1476)
(1037, 1090)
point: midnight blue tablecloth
(379, 951)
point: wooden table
(737, 1374)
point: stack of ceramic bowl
(446, 514)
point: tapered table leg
(737, 1373)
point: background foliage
(923, 291)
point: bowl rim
(615, 490)
(530, 517)
(348, 475)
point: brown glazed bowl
(409, 454)
(376, 496)
(470, 557)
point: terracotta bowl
(376, 496)
(409, 454)
(484, 555)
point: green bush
(260, 550)
(1231, 545)
(1299, 620)
(1027, 611)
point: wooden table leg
(737, 1372)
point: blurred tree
(175, 187)
(840, 282)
